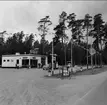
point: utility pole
(65, 52)
(71, 56)
(96, 60)
(52, 57)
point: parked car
(76, 69)
(46, 67)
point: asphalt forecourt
(30, 87)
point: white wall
(39, 59)
(11, 62)
(13, 59)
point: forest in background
(94, 27)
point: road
(30, 87)
(96, 96)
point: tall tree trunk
(43, 37)
(95, 60)
(65, 55)
(43, 47)
(87, 47)
(101, 54)
(91, 61)
(99, 48)
(62, 58)
(71, 56)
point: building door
(33, 63)
(25, 62)
(17, 62)
(43, 61)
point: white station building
(24, 60)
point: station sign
(25, 57)
(92, 51)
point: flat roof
(11, 55)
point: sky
(24, 15)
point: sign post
(92, 52)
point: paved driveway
(30, 87)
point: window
(4, 60)
(8, 60)
(17, 61)
(11, 60)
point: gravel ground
(30, 87)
